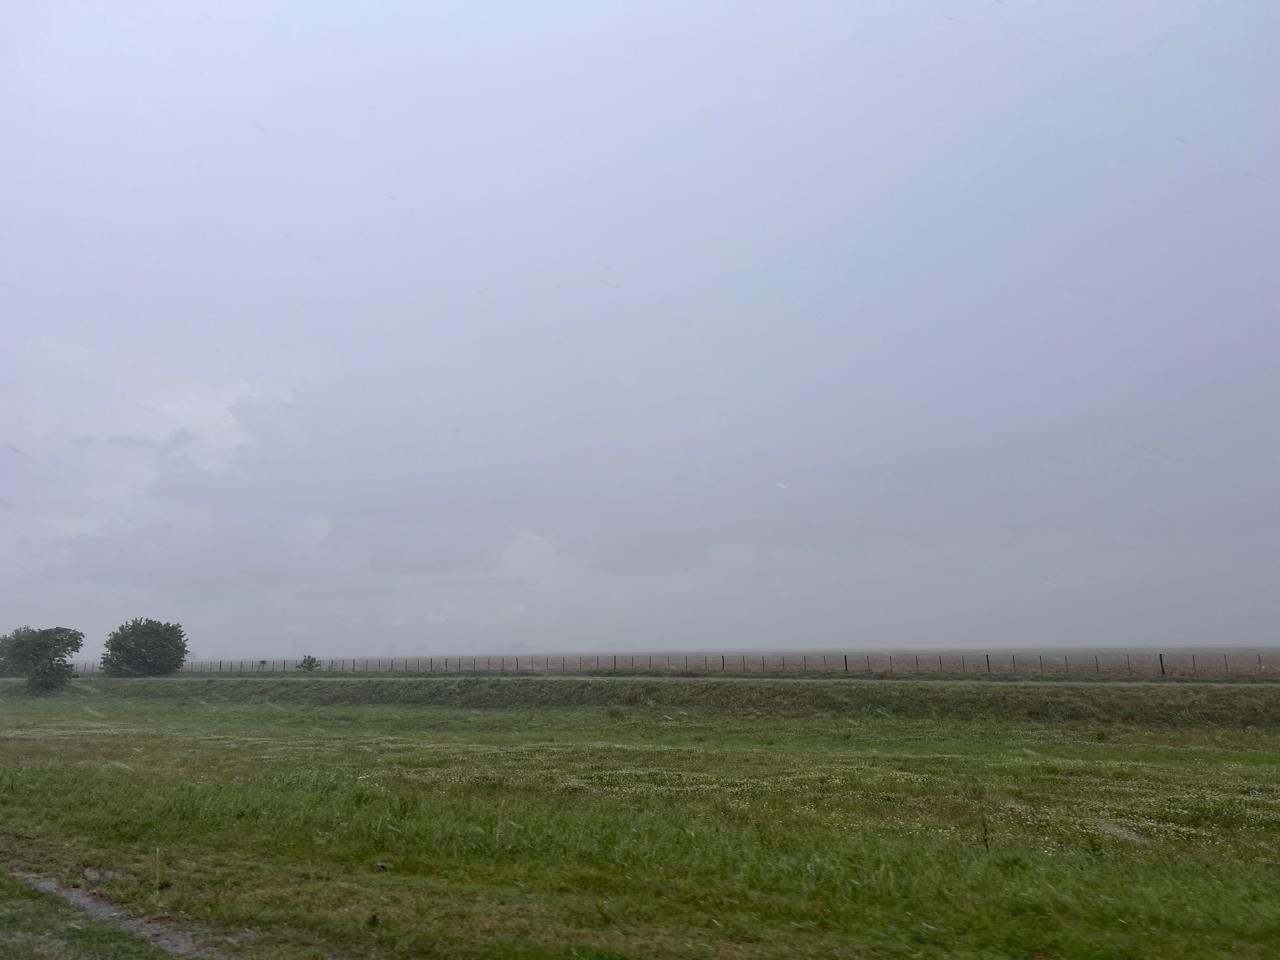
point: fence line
(1026, 664)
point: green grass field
(610, 818)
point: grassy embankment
(637, 818)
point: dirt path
(159, 933)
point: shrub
(309, 663)
(144, 648)
(41, 656)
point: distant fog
(455, 327)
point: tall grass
(1171, 704)
(537, 818)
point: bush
(40, 656)
(144, 648)
(309, 663)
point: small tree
(309, 664)
(144, 648)
(40, 656)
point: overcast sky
(475, 327)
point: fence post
(722, 663)
(1194, 669)
(1225, 668)
(988, 656)
(1128, 664)
(1162, 665)
(1041, 662)
(917, 663)
(868, 663)
(846, 663)
(1096, 667)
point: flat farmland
(542, 817)
(1079, 663)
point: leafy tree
(309, 663)
(40, 656)
(144, 648)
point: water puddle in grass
(159, 933)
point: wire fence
(1139, 664)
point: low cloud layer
(653, 328)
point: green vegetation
(1164, 703)
(610, 818)
(38, 926)
(40, 656)
(145, 648)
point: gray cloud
(443, 329)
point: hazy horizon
(498, 328)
